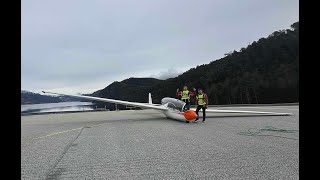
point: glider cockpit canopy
(174, 104)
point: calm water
(57, 107)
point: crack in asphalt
(51, 169)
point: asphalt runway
(143, 144)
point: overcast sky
(80, 46)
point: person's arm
(193, 93)
(178, 92)
(207, 101)
(196, 101)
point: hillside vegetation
(267, 71)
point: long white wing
(135, 104)
(247, 112)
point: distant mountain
(28, 97)
(35, 98)
(267, 71)
(132, 89)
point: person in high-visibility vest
(202, 103)
(185, 95)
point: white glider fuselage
(176, 110)
(181, 115)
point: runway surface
(143, 144)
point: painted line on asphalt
(57, 133)
(61, 132)
(262, 108)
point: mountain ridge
(266, 71)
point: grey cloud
(170, 73)
(76, 43)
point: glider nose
(190, 115)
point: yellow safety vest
(201, 99)
(185, 95)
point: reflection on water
(57, 107)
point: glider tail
(150, 99)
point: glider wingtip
(287, 114)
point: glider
(170, 107)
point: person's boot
(203, 120)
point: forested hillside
(267, 71)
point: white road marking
(65, 131)
(262, 108)
(58, 133)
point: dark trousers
(203, 110)
(187, 106)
